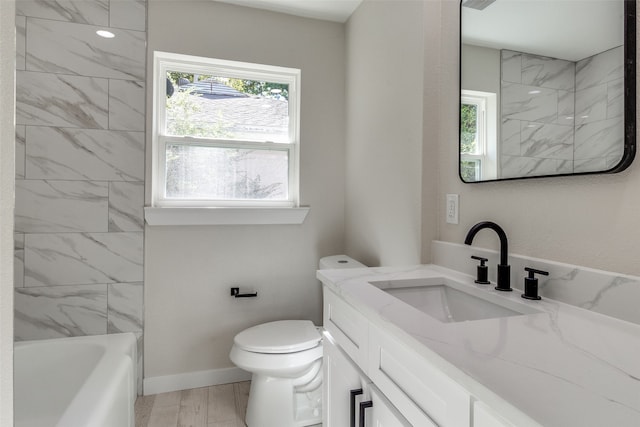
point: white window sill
(224, 216)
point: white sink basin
(449, 301)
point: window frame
(165, 61)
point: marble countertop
(564, 366)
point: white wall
(190, 319)
(590, 221)
(385, 53)
(7, 174)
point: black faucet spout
(504, 270)
(504, 245)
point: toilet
(285, 360)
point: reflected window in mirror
(562, 78)
(478, 130)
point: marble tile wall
(599, 130)
(80, 140)
(560, 116)
(537, 101)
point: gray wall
(80, 135)
(190, 319)
(7, 72)
(385, 62)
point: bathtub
(75, 382)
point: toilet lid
(283, 336)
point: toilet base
(273, 402)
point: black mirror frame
(629, 100)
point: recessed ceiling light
(106, 34)
(534, 92)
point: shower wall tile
(126, 105)
(529, 103)
(58, 100)
(84, 154)
(82, 11)
(548, 72)
(62, 311)
(61, 206)
(602, 68)
(511, 67)
(615, 99)
(518, 166)
(570, 113)
(129, 14)
(126, 201)
(566, 108)
(590, 165)
(591, 104)
(600, 139)
(21, 33)
(79, 258)
(80, 150)
(20, 148)
(18, 260)
(68, 48)
(124, 307)
(510, 137)
(545, 140)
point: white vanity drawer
(423, 394)
(347, 327)
(484, 416)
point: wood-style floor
(216, 406)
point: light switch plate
(452, 211)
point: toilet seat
(280, 337)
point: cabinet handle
(363, 406)
(352, 411)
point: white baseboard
(196, 379)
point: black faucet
(504, 269)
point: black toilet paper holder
(235, 292)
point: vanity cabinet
(346, 387)
(423, 394)
(405, 389)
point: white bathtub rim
(119, 359)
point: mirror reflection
(542, 88)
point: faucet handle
(483, 271)
(531, 283)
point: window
(478, 136)
(225, 133)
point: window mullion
(276, 146)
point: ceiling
(328, 10)
(565, 29)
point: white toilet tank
(339, 261)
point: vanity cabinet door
(422, 393)
(383, 413)
(348, 327)
(340, 378)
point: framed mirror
(547, 88)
